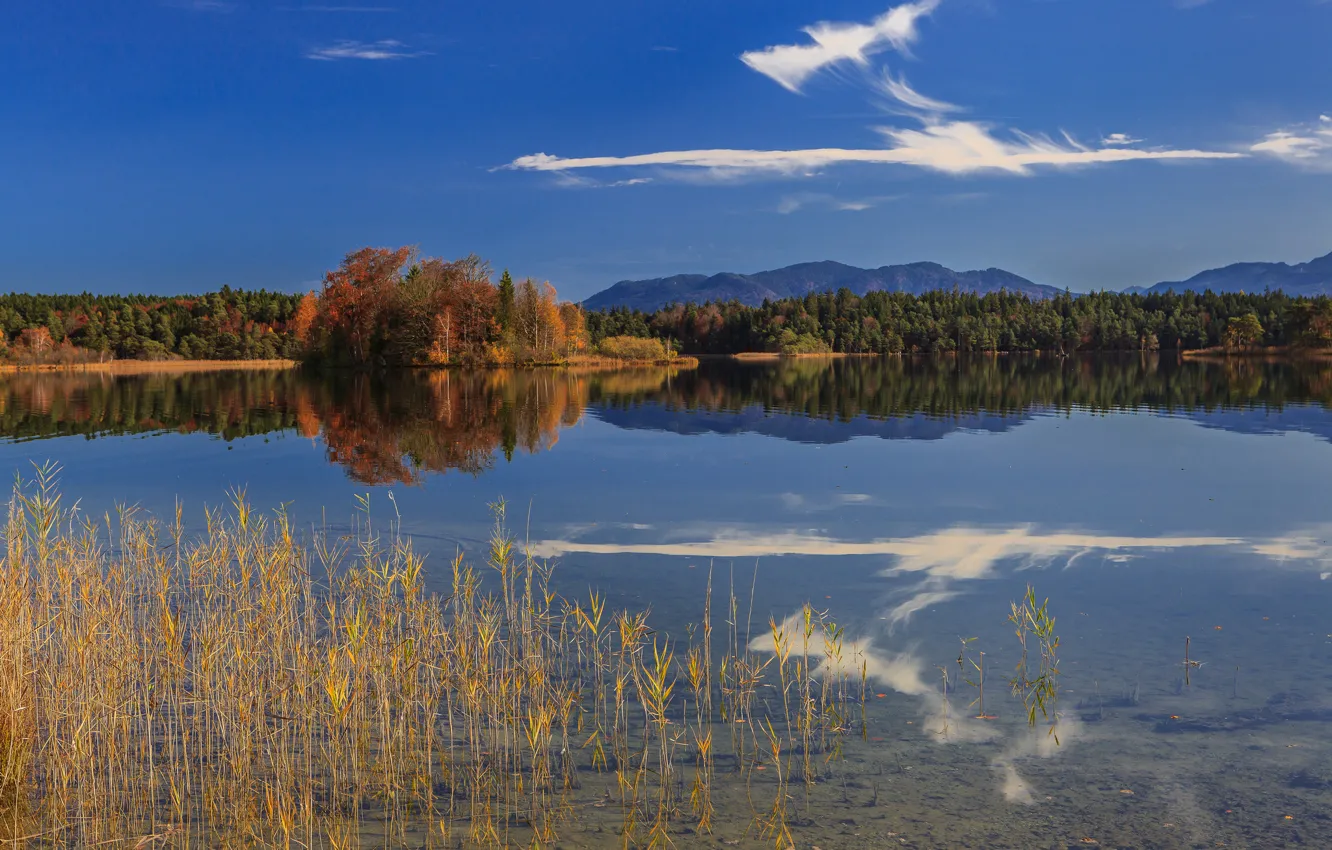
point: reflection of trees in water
(228, 404)
(381, 429)
(396, 428)
(841, 389)
(387, 431)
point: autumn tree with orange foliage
(303, 320)
(575, 328)
(538, 327)
(436, 312)
(449, 310)
(355, 306)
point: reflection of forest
(841, 389)
(229, 404)
(382, 429)
(386, 431)
(395, 428)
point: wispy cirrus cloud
(790, 65)
(578, 181)
(385, 49)
(959, 147)
(942, 143)
(899, 91)
(822, 200)
(1306, 145)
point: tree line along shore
(388, 307)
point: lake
(1152, 501)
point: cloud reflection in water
(943, 561)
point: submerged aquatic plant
(1038, 689)
(977, 666)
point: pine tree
(504, 312)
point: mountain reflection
(833, 400)
(396, 428)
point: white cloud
(1289, 145)
(1307, 145)
(372, 50)
(939, 144)
(1118, 139)
(899, 90)
(957, 147)
(836, 43)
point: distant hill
(803, 278)
(1311, 278)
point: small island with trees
(388, 307)
(447, 313)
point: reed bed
(240, 687)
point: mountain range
(1311, 278)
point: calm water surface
(1150, 500)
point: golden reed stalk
(241, 687)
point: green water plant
(1037, 686)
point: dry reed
(239, 687)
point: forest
(388, 307)
(894, 322)
(229, 324)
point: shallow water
(1151, 501)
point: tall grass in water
(240, 686)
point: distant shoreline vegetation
(388, 308)
(941, 322)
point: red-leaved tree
(356, 302)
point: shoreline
(146, 367)
(598, 363)
(1270, 352)
(168, 367)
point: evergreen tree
(504, 310)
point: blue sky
(176, 145)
